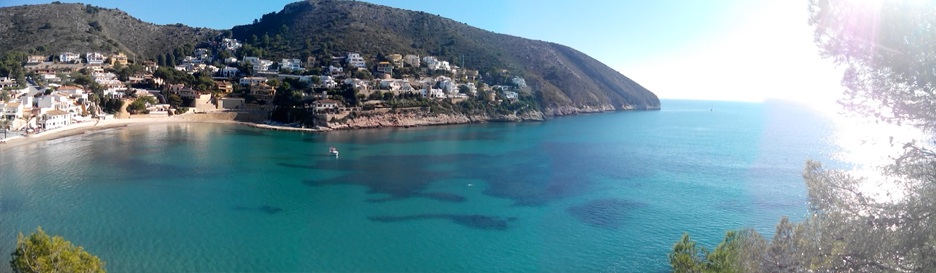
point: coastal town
(69, 89)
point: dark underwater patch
(8, 205)
(530, 177)
(469, 220)
(403, 176)
(610, 213)
(265, 209)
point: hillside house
(187, 92)
(330, 106)
(396, 60)
(329, 82)
(391, 84)
(229, 72)
(511, 95)
(201, 53)
(50, 77)
(230, 44)
(432, 93)
(472, 75)
(192, 60)
(385, 67)
(335, 71)
(150, 66)
(69, 58)
(6, 82)
(35, 59)
(179, 89)
(262, 91)
(412, 60)
(356, 60)
(245, 81)
(224, 86)
(263, 65)
(251, 60)
(291, 65)
(136, 79)
(119, 58)
(360, 85)
(71, 90)
(95, 58)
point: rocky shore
(413, 118)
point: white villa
(229, 72)
(252, 80)
(291, 65)
(69, 57)
(356, 60)
(55, 119)
(95, 58)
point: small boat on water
(333, 151)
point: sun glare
(867, 146)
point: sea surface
(592, 193)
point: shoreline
(88, 127)
(84, 128)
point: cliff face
(564, 80)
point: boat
(333, 151)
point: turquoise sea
(593, 193)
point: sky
(747, 50)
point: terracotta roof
(56, 113)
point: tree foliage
(11, 65)
(888, 49)
(686, 257)
(41, 253)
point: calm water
(595, 193)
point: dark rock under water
(265, 209)
(610, 213)
(469, 220)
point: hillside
(80, 28)
(565, 80)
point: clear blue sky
(714, 49)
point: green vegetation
(198, 81)
(41, 253)
(850, 229)
(83, 31)
(686, 257)
(325, 28)
(138, 106)
(5, 124)
(11, 65)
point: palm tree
(5, 124)
(27, 117)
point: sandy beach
(82, 128)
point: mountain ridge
(564, 80)
(79, 28)
(567, 81)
